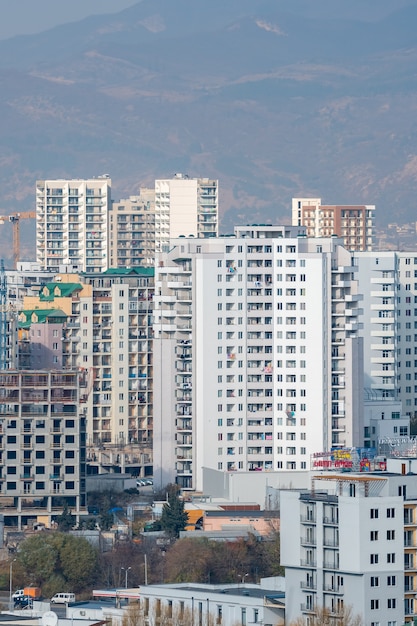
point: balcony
(310, 585)
(308, 541)
(330, 565)
(333, 588)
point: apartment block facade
(42, 445)
(72, 226)
(378, 281)
(351, 542)
(100, 324)
(388, 281)
(255, 353)
(132, 228)
(353, 223)
(185, 206)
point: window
(391, 603)
(391, 557)
(390, 535)
(374, 605)
(374, 581)
(374, 559)
(374, 513)
(374, 535)
(391, 512)
(391, 581)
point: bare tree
(324, 616)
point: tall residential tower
(256, 353)
(185, 207)
(72, 223)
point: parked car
(23, 602)
(19, 593)
(63, 598)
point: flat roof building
(353, 223)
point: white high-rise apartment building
(378, 282)
(256, 353)
(351, 542)
(388, 281)
(72, 223)
(185, 207)
(407, 331)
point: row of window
(289, 465)
(289, 291)
(253, 408)
(374, 558)
(289, 451)
(391, 581)
(40, 454)
(391, 604)
(374, 513)
(40, 439)
(40, 486)
(374, 535)
(39, 470)
(261, 436)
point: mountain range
(275, 98)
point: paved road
(59, 610)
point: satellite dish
(49, 619)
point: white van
(18, 594)
(63, 598)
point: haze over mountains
(274, 98)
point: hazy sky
(22, 17)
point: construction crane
(15, 218)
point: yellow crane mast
(15, 218)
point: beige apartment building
(353, 223)
(132, 228)
(185, 207)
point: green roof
(65, 290)
(51, 316)
(125, 271)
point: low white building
(216, 604)
(351, 541)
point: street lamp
(126, 571)
(146, 569)
(11, 582)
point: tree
(58, 562)
(66, 521)
(323, 616)
(173, 518)
(164, 616)
(188, 560)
